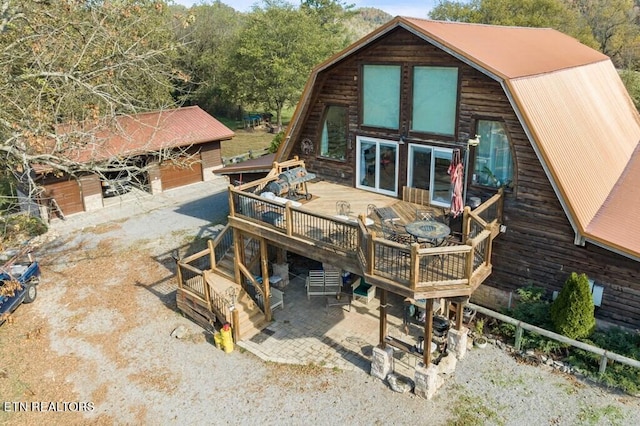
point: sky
(414, 9)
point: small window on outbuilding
(333, 136)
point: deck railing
(418, 269)
(193, 280)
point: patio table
(430, 230)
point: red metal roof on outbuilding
(152, 132)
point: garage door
(175, 176)
(67, 195)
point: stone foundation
(427, 381)
(457, 342)
(381, 362)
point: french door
(428, 169)
(377, 165)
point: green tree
(208, 33)
(572, 312)
(555, 14)
(275, 54)
(73, 61)
(614, 26)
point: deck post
(288, 214)
(465, 224)
(459, 313)
(415, 265)
(235, 318)
(179, 271)
(383, 318)
(238, 255)
(265, 279)
(428, 332)
(212, 254)
(207, 290)
(232, 207)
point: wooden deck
(315, 229)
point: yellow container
(227, 338)
(217, 339)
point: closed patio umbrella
(456, 172)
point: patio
(308, 332)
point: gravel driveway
(96, 347)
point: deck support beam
(264, 262)
(383, 318)
(428, 332)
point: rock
(447, 364)
(179, 332)
(399, 384)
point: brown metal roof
(585, 128)
(509, 52)
(617, 223)
(572, 104)
(151, 132)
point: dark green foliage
(275, 143)
(532, 309)
(572, 312)
(617, 375)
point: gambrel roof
(572, 104)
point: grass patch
(474, 410)
(246, 140)
(594, 415)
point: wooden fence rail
(604, 354)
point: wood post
(415, 267)
(238, 255)
(235, 318)
(518, 342)
(428, 332)
(207, 290)
(212, 254)
(383, 318)
(264, 261)
(459, 314)
(232, 206)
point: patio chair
(392, 233)
(424, 214)
(343, 208)
(361, 289)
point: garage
(174, 175)
(67, 194)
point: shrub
(572, 312)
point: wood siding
(537, 248)
(187, 172)
(67, 194)
(211, 155)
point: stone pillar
(282, 270)
(457, 342)
(381, 362)
(427, 381)
(155, 182)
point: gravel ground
(100, 333)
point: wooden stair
(252, 319)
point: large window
(381, 96)
(333, 140)
(435, 96)
(492, 165)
